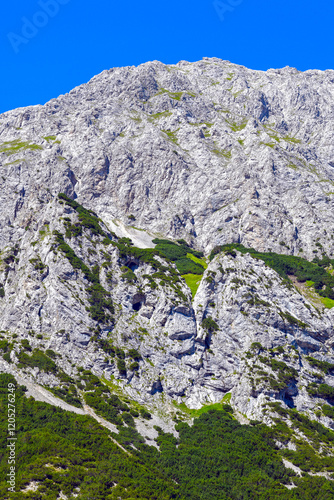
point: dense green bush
(171, 250)
(321, 391)
(103, 407)
(51, 353)
(100, 303)
(180, 244)
(185, 245)
(178, 254)
(106, 346)
(145, 414)
(120, 353)
(4, 345)
(73, 230)
(25, 344)
(68, 394)
(134, 354)
(209, 324)
(328, 411)
(324, 366)
(127, 251)
(92, 382)
(128, 419)
(87, 218)
(128, 275)
(39, 359)
(80, 452)
(121, 366)
(187, 266)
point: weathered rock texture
(210, 152)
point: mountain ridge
(166, 246)
(215, 151)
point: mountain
(167, 253)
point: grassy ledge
(193, 281)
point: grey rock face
(210, 152)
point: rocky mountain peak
(169, 230)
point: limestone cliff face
(209, 152)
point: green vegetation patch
(292, 140)
(329, 303)
(74, 260)
(169, 249)
(101, 305)
(328, 411)
(284, 373)
(209, 324)
(199, 261)
(15, 162)
(173, 95)
(107, 405)
(100, 299)
(67, 394)
(187, 266)
(5, 349)
(235, 126)
(269, 144)
(222, 405)
(321, 391)
(38, 264)
(171, 135)
(128, 275)
(223, 153)
(324, 366)
(179, 253)
(166, 273)
(62, 451)
(216, 458)
(37, 359)
(87, 218)
(286, 265)
(13, 147)
(157, 116)
(307, 455)
(292, 320)
(193, 281)
(187, 260)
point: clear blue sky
(76, 39)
